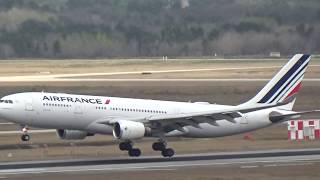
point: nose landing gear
(25, 136)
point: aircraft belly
(99, 128)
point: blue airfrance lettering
(71, 99)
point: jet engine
(72, 134)
(127, 130)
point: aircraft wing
(178, 121)
(170, 122)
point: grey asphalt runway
(250, 159)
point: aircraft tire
(158, 146)
(25, 137)
(167, 152)
(125, 146)
(134, 152)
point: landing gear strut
(162, 146)
(127, 146)
(25, 136)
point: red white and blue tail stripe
(286, 83)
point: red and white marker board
(304, 129)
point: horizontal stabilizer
(276, 116)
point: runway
(89, 76)
(249, 159)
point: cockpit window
(6, 101)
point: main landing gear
(162, 146)
(157, 146)
(127, 146)
(25, 136)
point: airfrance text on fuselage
(71, 99)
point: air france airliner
(79, 116)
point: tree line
(145, 28)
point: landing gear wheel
(158, 146)
(25, 137)
(125, 146)
(167, 152)
(134, 152)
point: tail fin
(285, 84)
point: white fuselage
(82, 112)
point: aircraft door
(30, 111)
(176, 110)
(29, 105)
(78, 109)
(244, 119)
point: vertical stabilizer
(285, 84)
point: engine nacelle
(72, 134)
(127, 130)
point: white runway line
(287, 164)
(155, 80)
(248, 167)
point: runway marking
(284, 165)
(155, 169)
(167, 80)
(248, 167)
(271, 165)
(155, 80)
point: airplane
(128, 119)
